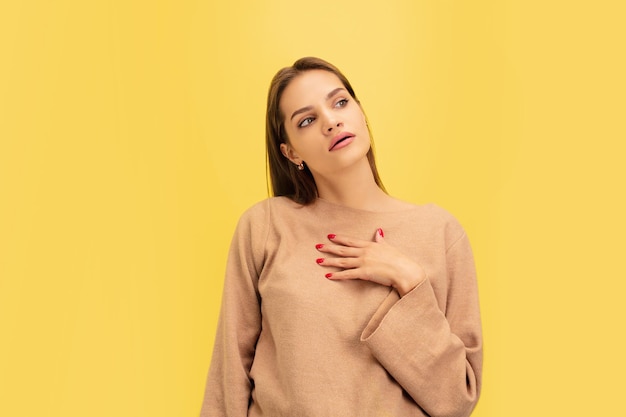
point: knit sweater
(292, 343)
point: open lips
(341, 140)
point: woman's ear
(290, 154)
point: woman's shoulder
(265, 207)
(440, 213)
(431, 210)
(255, 221)
(451, 226)
(436, 218)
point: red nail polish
(319, 260)
(381, 233)
(332, 236)
(329, 275)
(319, 246)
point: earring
(301, 166)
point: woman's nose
(332, 123)
(338, 124)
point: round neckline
(410, 208)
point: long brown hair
(286, 179)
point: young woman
(340, 300)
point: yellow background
(131, 139)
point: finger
(347, 241)
(343, 263)
(347, 274)
(379, 237)
(357, 273)
(339, 250)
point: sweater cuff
(399, 307)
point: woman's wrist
(414, 277)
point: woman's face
(325, 125)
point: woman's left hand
(374, 261)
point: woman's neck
(354, 188)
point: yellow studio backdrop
(131, 139)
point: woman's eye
(307, 121)
(342, 102)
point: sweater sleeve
(435, 355)
(228, 386)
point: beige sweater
(292, 343)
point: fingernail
(328, 275)
(380, 232)
(319, 260)
(319, 246)
(332, 236)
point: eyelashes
(306, 121)
(341, 103)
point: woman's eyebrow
(307, 108)
(335, 91)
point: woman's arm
(434, 352)
(228, 384)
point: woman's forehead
(308, 87)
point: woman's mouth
(341, 140)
